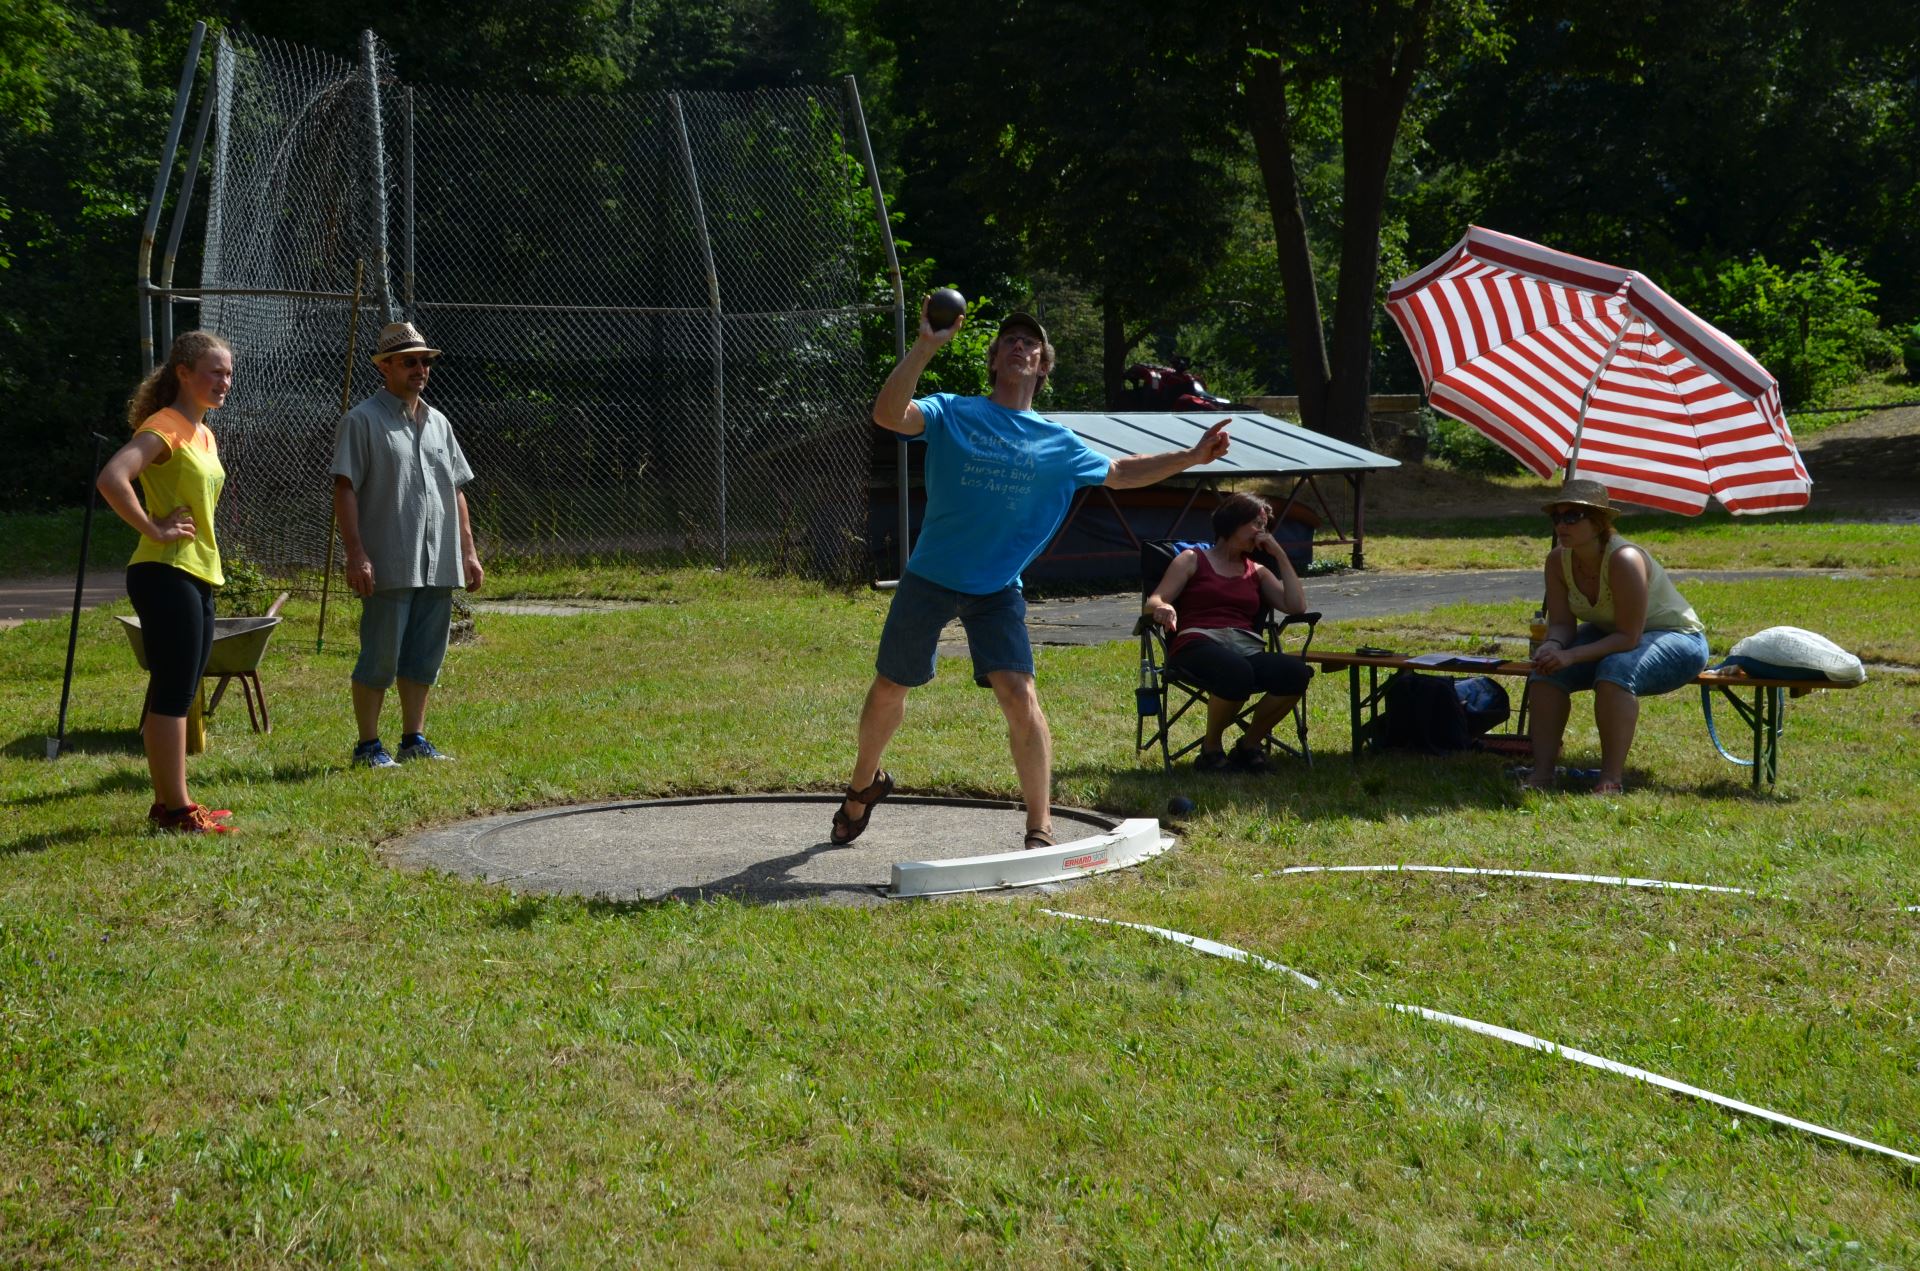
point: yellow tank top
(190, 474)
(1667, 610)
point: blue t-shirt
(999, 483)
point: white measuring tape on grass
(1608, 879)
(1511, 1036)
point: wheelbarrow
(238, 645)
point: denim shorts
(1662, 662)
(403, 632)
(996, 626)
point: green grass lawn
(270, 1048)
(39, 545)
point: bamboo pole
(346, 400)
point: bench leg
(1353, 707)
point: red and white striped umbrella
(1566, 362)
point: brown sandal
(1037, 839)
(845, 828)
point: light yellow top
(1667, 609)
(190, 474)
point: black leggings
(1234, 676)
(176, 625)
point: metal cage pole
(184, 204)
(152, 227)
(406, 202)
(713, 305)
(858, 114)
(370, 63)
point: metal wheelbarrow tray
(238, 646)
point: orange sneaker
(159, 810)
(192, 819)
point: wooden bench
(1764, 713)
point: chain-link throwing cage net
(651, 308)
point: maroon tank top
(1211, 601)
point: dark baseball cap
(1020, 318)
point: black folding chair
(1163, 697)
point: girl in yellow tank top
(177, 565)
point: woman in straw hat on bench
(1615, 624)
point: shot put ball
(944, 308)
(1179, 805)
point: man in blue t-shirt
(999, 480)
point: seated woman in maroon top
(1210, 602)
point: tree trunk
(1373, 97)
(1272, 128)
(1114, 347)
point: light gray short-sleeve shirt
(406, 478)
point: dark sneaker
(421, 749)
(1213, 761)
(1248, 759)
(371, 754)
(192, 819)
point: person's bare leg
(166, 741)
(1031, 742)
(413, 705)
(1220, 713)
(880, 718)
(366, 709)
(1549, 706)
(1617, 713)
(1271, 710)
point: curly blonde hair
(162, 388)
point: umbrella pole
(346, 400)
(1580, 424)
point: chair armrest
(1277, 628)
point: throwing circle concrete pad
(763, 848)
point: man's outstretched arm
(1133, 471)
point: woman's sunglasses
(1571, 517)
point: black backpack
(1423, 714)
(1426, 712)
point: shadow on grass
(1377, 788)
(129, 781)
(79, 741)
(41, 840)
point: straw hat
(1582, 493)
(401, 337)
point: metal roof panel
(1262, 445)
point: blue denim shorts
(1662, 662)
(996, 626)
(403, 632)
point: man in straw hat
(1615, 625)
(999, 479)
(397, 473)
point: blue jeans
(403, 632)
(1661, 662)
(996, 626)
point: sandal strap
(881, 787)
(1040, 838)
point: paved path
(1085, 620)
(24, 598)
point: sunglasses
(1573, 517)
(416, 360)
